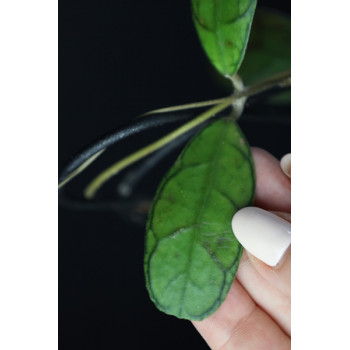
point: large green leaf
(191, 255)
(223, 27)
(269, 47)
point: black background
(118, 59)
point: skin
(256, 312)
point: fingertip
(286, 164)
(263, 234)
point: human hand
(256, 312)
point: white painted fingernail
(263, 234)
(286, 164)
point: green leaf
(269, 47)
(191, 254)
(223, 27)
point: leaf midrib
(200, 213)
(218, 35)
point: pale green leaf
(223, 27)
(192, 255)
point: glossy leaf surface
(192, 255)
(269, 47)
(223, 27)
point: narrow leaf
(223, 27)
(191, 254)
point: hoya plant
(191, 254)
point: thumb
(265, 270)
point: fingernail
(286, 164)
(263, 234)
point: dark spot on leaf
(171, 199)
(201, 21)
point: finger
(286, 164)
(240, 324)
(272, 185)
(265, 268)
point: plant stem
(237, 100)
(278, 80)
(81, 168)
(95, 184)
(85, 157)
(282, 79)
(187, 106)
